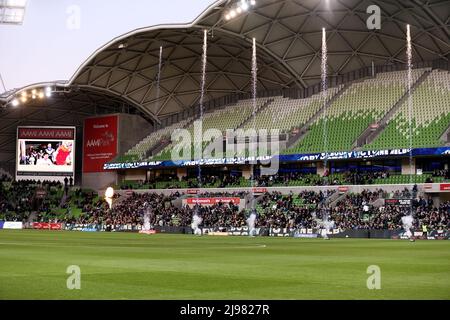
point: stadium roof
(288, 35)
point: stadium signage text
(47, 226)
(211, 201)
(41, 193)
(284, 158)
(398, 202)
(46, 133)
(272, 232)
(281, 232)
(45, 153)
(100, 142)
(306, 235)
(343, 189)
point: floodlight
(233, 13)
(15, 102)
(23, 96)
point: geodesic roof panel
(290, 31)
(130, 67)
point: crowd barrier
(47, 226)
(236, 231)
(11, 225)
(269, 232)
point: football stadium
(266, 150)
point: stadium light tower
(12, 11)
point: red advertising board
(398, 202)
(47, 226)
(99, 142)
(55, 226)
(211, 201)
(259, 190)
(445, 186)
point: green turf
(133, 266)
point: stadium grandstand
(144, 137)
(364, 108)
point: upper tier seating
(362, 104)
(227, 118)
(285, 114)
(338, 127)
(430, 116)
(139, 151)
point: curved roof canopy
(288, 35)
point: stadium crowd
(18, 199)
(279, 179)
(302, 210)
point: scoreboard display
(45, 153)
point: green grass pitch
(131, 266)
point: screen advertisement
(45, 153)
(99, 143)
